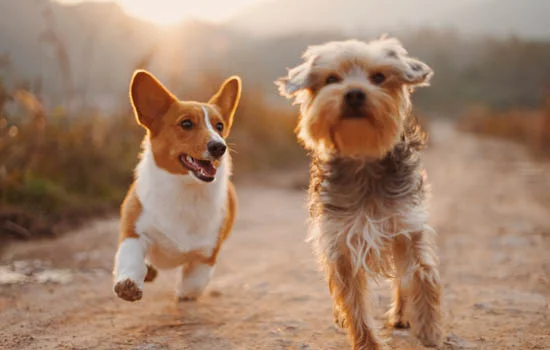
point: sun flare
(167, 12)
(161, 12)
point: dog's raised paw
(128, 290)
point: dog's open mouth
(202, 169)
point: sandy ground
(490, 206)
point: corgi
(182, 205)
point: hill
(526, 19)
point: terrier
(180, 209)
(367, 193)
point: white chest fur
(179, 212)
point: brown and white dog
(367, 187)
(182, 205)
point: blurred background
(69, 144)
(68, 139)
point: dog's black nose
(355, 98)
(216, 148)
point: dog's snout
(355, 98)
(216, 148)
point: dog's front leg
(349, 291)
(402, 258)
(425, 290)
(130, 269)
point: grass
(52, 163)
(527, 126)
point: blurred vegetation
(499, 73)
(54, 165)
(75, 159)
(527, 126)
(497, 87)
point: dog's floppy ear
(227, 98)
(150, 99)
(295, 81)
(415, 72)
(298, 78)
(410, 71)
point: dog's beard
(318, 119)
(324, 129)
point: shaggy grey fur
(344, 185)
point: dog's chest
(351, 187)
(182, 220)
(364, 206)
(180, 215)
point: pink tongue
(207, 167)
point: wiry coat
(367, 202)
(368, 216)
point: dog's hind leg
(425, 290)
(349, 291)
(152, 272)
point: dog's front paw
(128, 290)
(398, 322)
(339, 318)
(429, 335)
(188, 295)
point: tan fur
(228, 223)
(161, 114)
(367, 192)
(129, 213)
(167, 138)
(349, 291)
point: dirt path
(490, 206)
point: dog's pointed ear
(227, 98)
(150, 99)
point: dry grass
(52, 163)
(528, 126)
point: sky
(166, 12)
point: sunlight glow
(162, 12)
(167, 12)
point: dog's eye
(332, 79)
(219, 127)
(186, 124)
(378, 78)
